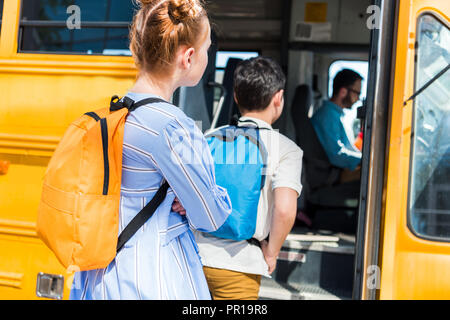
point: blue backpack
(240, 159)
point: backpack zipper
(104, 129)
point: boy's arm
(285, 209)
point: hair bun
(181, 10)
(160, 27)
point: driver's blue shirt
(329, 127)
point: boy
(233, 269)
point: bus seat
(192, 101)
(320, 179)
(210, 75)
(317, 170)
(229, 106)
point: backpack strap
(130, 104)
(254, 242)
(235, 122)
(141, 218)
(225, 135)
(146, 213)
(250, 121)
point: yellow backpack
(78, 215)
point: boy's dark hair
(344, 78)
(256, 81)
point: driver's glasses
(355, 91)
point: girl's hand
(177, 207)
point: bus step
(312, 265)
(273, 290)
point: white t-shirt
(283, 170)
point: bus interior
(312, 42)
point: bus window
(361, 67)
(429, 201)
(221, 63)
(222, 59)
(77, 27)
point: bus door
(404, 229)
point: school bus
(60, 59)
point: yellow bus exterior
(41, 94)
(411, 267)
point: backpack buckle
(127, 102)
(117, 103)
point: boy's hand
(271, 259)
(177, 207)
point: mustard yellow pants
(231, 285)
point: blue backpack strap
(230, 133)
(259, 143)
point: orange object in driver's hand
(359, 141)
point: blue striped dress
(161, 260)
